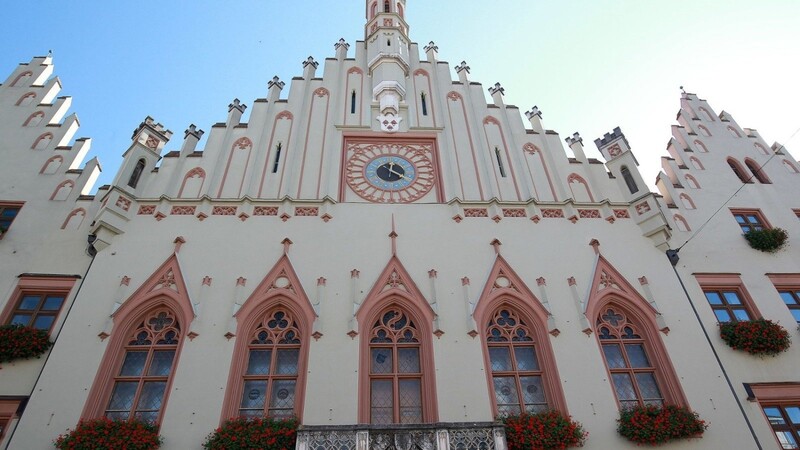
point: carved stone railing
(438, 436)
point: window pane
(151, 396)
(161, 364)
(774, 416)
(505, 391)
(287, 361)
(794, 414)
(381, 402)
(254, 394)
(526, 358)
(21, 319)
(134, 364)
(713, 298)
(117, 415)
(741, 315)
(122, 396)
(28, 302)
(796, 314)
(787, 440)
(752, 218)
(500, 359)
(637, 355)
(613, 356)
(282, 395)
(52, 303)
(410, 401)
(147, 416)
(408, 360)
(259, 361)
(532, 391)
(722, 315)
(382, 360)
(732, 298)
(788, 298)
(623, 386)
(647, 386)
(43, 322)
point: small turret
(235, 111)
(309, 68)
(535, 118)
(190, 139)
(275, 86)
(497, 92)
(341, 48)
(576, 144)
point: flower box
(257, 433)
(768, 239)
(21, 342)
(657, 425)
(757, 337)
(104, 433)
(549, 430)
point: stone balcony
(438, 436)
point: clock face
(390, 173)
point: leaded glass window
(141, 382)
(395, 369)
(270, 380)
(633, 375)
(516, 372)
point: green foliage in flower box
(21, 342)
(107, 434)
(657, 425)
(257, 433)
(768, 239)
(545, 431)
(757, 337)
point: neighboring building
(382, 247)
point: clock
(391, 172)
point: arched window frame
(701, 147)
(165, 290)
(704, 131)
(692, 181)
(25, 74)
(136, 174)
(696, 163)
(611, 290)
(738, 170)
(761, 149)
(373, 10)
(687, 201)
(709, 116)
(757, 171)
(734, 132)
(681, 223)
(791, 167)
(629, 181)
(387, 6)
(29, 95)
(34, 119)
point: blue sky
(589, 65)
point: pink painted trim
(69, 183)
(73, 214)
(734, 131)
(26, 96)
(520, 299)
(625, 298)
(322, 150)
(692, 181)
(685, 198)
(54, 284)
(681, 219)
(39, 139)
(531, 149)
(52, 159)
(696, 162)
(267, 296)
(708, 114)
(575, 177)
(27, 73)
(454, 96)
(761, 148)
(732, 281)
(790, 166)
(240, 144)
(151, 295)
(37, 114)
(190, 174)
(700, 146)
(424, 73)
(317, 93)
(471, 143)
(705, 131)
(382, 296)
(757, 170)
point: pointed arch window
(387, 6)
(629, 181)
(136, 174)
(738, 170)
(516, 373)
(395, 369)
(633, 374)
(141, 381)
(270, 381)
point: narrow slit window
(628, 177)
(277, 157)
(499, 162)
(136, 174)
(424, 104)
(353, 103)
(386, 7)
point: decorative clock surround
(390, 170)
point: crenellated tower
(388, 45)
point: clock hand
(400, 175)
